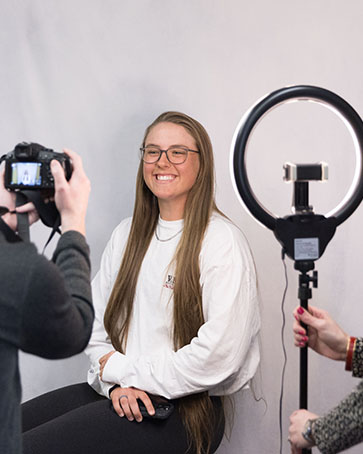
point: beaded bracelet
(350, 351)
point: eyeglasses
(175, 155)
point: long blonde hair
(196, 409)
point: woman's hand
(124, 401)
(298, 420)
(324, 336)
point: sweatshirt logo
(170, 282)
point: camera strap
(48, 214)
(22, 218)
(9, 234)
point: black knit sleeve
(357, 361)
(58, 314)
(342, 427)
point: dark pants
(77, 420)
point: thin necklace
(166, 239)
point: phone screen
(26, 173)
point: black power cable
(283, 346)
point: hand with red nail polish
(324, 335)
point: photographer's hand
(7, 199)
(71, 197)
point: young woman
(176, 313)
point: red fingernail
(302, 333)
(302, 344)
(300, 310)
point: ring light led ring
(250, 120)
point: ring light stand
(303, 235)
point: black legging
(77, 420)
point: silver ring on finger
(123, 395)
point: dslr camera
(28, 167)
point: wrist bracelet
(350, 351)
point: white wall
(91, 75)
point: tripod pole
(304, 295)
(303, 400)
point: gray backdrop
(91, 75)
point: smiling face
(168, 182)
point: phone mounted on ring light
(304, 235)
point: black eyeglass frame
(142, 150)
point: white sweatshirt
(224, 355)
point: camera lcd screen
(26, 173)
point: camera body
(28, 167)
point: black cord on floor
(283, 346)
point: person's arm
(100, 344)
(327, 338)
(58, 313)
(324, 335)
(342, 427)
(225, 346)
(357, 360)
(334, 432)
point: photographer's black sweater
(45, 309)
